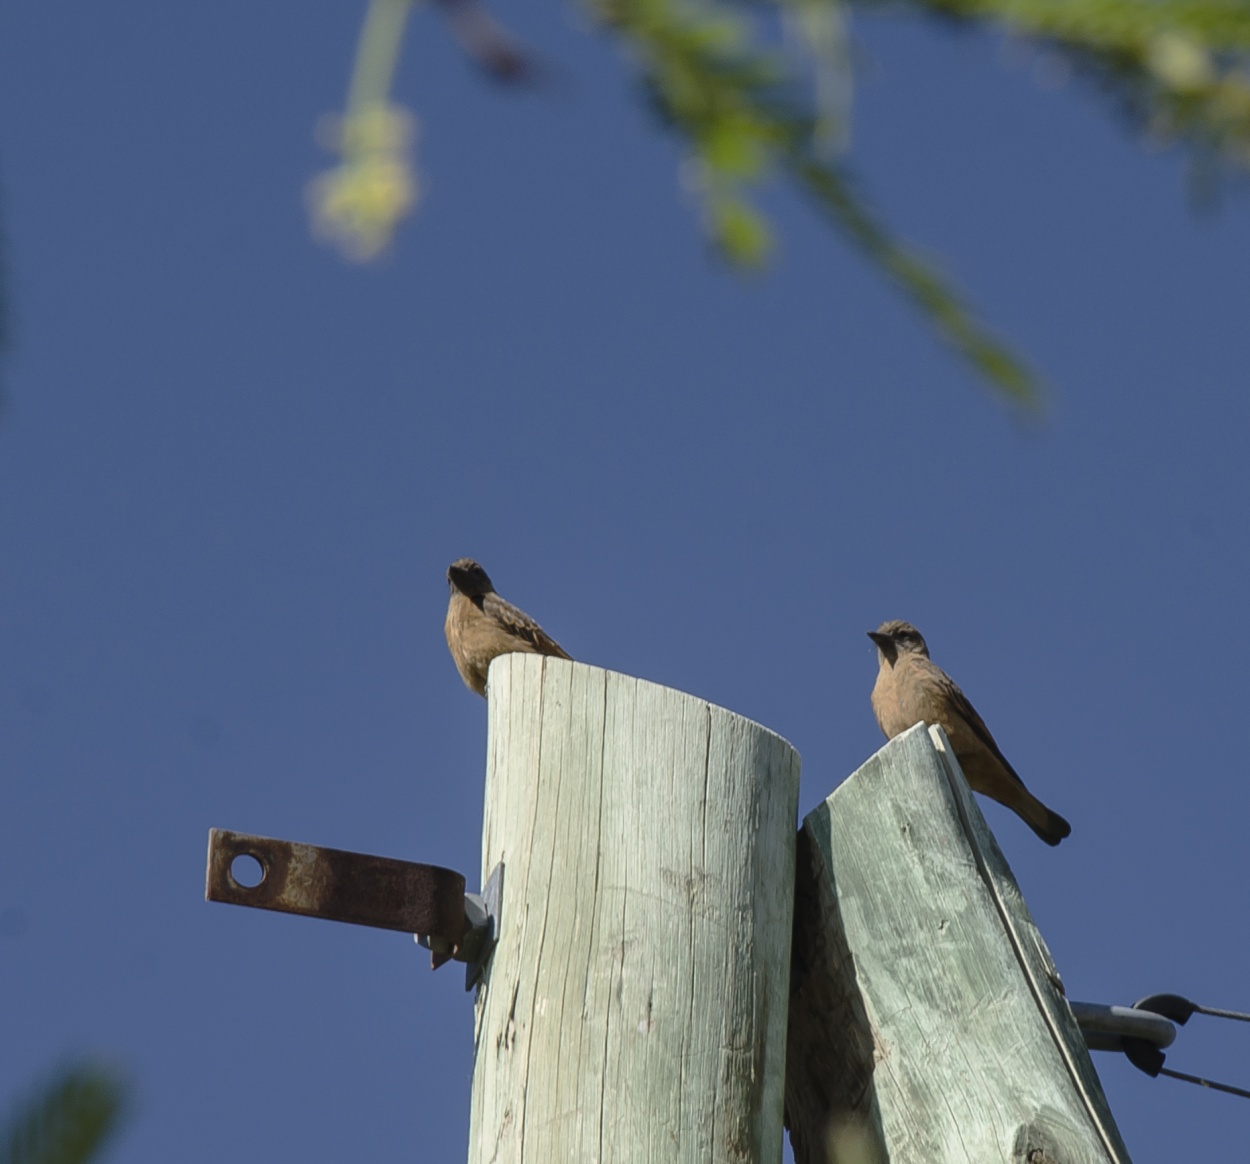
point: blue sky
(233, 471)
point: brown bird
(911, 688)
(481, 626)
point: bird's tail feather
(1050, 826)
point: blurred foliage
(4, 303)
(744, 114)
(67, 1121)
(760, 91)
(715, 73)
(5, 322)
(1179, 68)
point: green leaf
(833, 191)
(67, 1121)
(741, 234)
(733, 147)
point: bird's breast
(902, 698)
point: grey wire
(1205, 1082)
(1228, 1014)
(1210, 1083)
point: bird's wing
(520, 625)
(960, 704)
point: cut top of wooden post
(634, 1008)
(956, 1042)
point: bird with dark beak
(480, 626)
(911, 688)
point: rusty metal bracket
(426, 901)
(482, 913)
(338, 886)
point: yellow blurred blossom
(360, 202)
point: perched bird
(911, 688)
(481, 626)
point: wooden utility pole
(928, 1023)
(661, 964)
(634, 1008)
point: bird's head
(897, 637)
(466, 576)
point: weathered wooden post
(634, 1008)
(928, 1023)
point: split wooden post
(634, 1008)
(928, 1023)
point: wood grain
(634, 1009)
(928, 1021)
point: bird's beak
(883, 641)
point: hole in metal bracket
(247, 871)
(266, 873)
